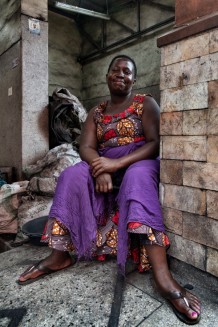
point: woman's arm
(150, 122)
(88, 140)
(88, 152)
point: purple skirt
(82, 210)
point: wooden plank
(187, 11)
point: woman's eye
(127, 72)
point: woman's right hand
(103, 183)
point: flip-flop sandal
(46, 271)
(181, 316)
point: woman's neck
(118, 104)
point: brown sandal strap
(174, 295)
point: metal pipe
(80, 10)
(127, 39)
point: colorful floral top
(122, 128)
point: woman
(119, 148)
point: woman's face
(120, 78)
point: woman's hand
(104, 165)
(103, 183)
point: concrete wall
(10, 28)
(143, 50)
(64, 48)
(10, 83)
(10, 107)
(189, 165)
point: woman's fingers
(98, 172)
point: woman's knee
(73, 172)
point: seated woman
(119, 147)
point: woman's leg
(57, 260)
(166, 284)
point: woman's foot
(186, 305)
(57, 260)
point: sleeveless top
(122, 128)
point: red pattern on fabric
(115, 217)
(101, 257)
(135, 255)
(134, 225)
(109, 134)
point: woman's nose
(120, 74)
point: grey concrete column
(34, 54)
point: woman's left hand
(104, 165)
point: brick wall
(189, 148)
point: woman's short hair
(124, 57)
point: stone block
(173, 220)
(35, 8)
(212, 146)
(214, 65)
(191, 47)
(188, 97)
(161, 193)
(183, 198)
(195, 122)
(200, 229)
(196, 70)
(212, 204)
(212, 262)
(201, 175)
(213, 43)
(171, 123)
(187, 251)
(171, 100)
(212, 122)
(185, 147)
(171, 172)
(170, 76)
(161, 148)
(213, 94)
(195, 96)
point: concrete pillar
(34, 49)
(23, 83)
